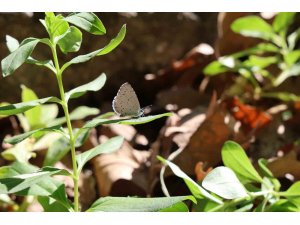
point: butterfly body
(126, 102)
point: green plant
(268, 64)
(24, 179)
(238, 186)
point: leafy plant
(238, 186)
(268, 64)
(23, 179)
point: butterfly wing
(126, 102)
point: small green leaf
(21, 152)
(94, 85)
(293, 193)
(55, 25)
(70, 41)
(293, 38)
(61, 146)
(236, 159)
(109, 146)
(135, 121)
(15, 59)
(130, 204)
(260, 62)
(290, 72)
(283, 205)
(17, 108)
(283, 20)
(21, 182)
(33, 116)
(223, 182)
(196, 190)
(57, 150)
(49, 112)
(292, 57)
(262, 163)
(253, 26)
(12, 43)
(18, 138)
(215, 68)
(108, 48)
(51, 205)
(87, 21)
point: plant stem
(70, 129)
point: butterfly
(126, 102)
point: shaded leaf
(24, 106)
(109, 146)
(70, 41)
(293, 193)
(18, 138)
(94, 85)
(34, 115)
(129, 204)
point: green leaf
(293, 38)
(236, 159)
(61, 146)
(260, 62)
(215, 68)
(293, 193)
(253, 26)
(178, 207)
(283, 20)
(109, 146)
(223, 182)
(46, 187)
(292, 57)
(87, 21)
(129, 204)
(292, 71)
(283, 205)
(55, 25)
(94, 85)
(15, 59)
(17, 108)
(49, 112)
(135, 121)
(12, 43)
(21, 152)
(70, 41)
(79, 113)
(33, 116)
(57, 150)
(108, 48)
(18, 138)
(262, 163)
(21, 182)
(51, 205)
(196, 190)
